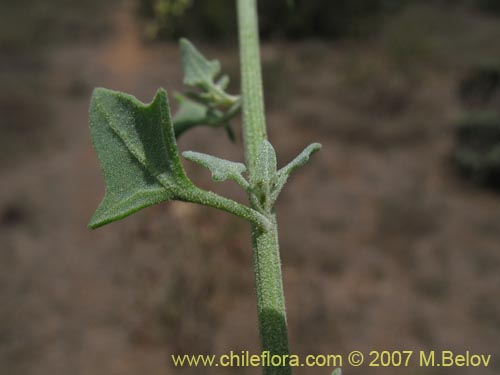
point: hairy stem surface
(209, 199)
(254, 122)
(267, 264)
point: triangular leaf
(198, 71)
(209, 91)
(136, 147)
(221, 169)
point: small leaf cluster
(137, 149)
(267, 183)
(206, 102)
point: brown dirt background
(383, 245)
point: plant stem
(254, 122)
(194, 194)
(270, 297)
(267, 264)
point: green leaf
(223, 82)
(300, 160)
(337, 371)
(209, 103)
(284, 173)
(264, 176)
(189, 111)
(221, 169)
(191, 114)
(135, 144)
(198, 71)
(136, 147)
(265, 168)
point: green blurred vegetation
(215, 19)
(174, 18)
(477, 154)
(489, 5)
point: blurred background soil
(384, 244)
